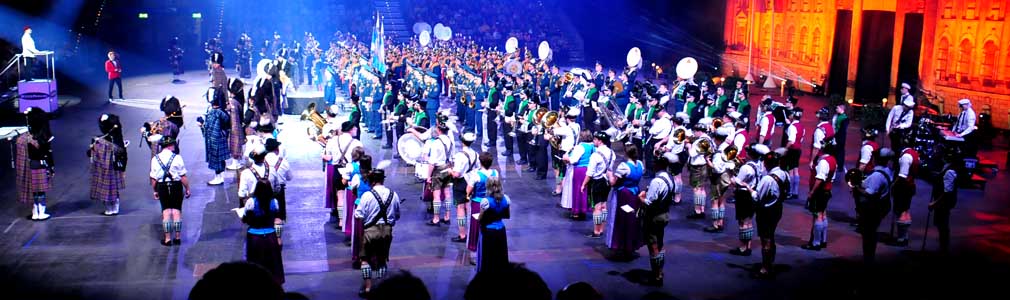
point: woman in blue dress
(492, 249)
(262, 247)
(624, 234)
(478, 192)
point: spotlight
(142, 15)
(197, 15)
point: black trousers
(118, 82)
(509, 140)
(941, 217)
(282, 207)
(523, 141)
(28, 70)
(540, 156)
(870, 216)
(649, 157)
(589, 119)
(492, 128)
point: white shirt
(28, 46)
(792, 133)
(247, 180)
(767, 187)
(464, 162)
(600, 161)
(474, 177)
(661, 128)
(720, 164)
(176, 169)
(895, 121)
(677, 148)
(965, 122)
(865, 153)
(904, 164)
(576, 154)
(568, 135)
(764, 125)
(823, 169)
(283, 169)
(622, 170)
(343, 143)
(436, 151)
(749, 174)
(819, 135)
(658, 188)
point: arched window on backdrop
(964, 60)
(942, 59)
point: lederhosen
(818, 202)
(440, 179)
(904, 189)
(378, 237)
(655, 216)
(599, 188)
(768, 216)
(338, 179)
(170, 191)
(744, 199)
(459, 183)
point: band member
(794, 137)
(215, 126)
(943, 199)
(567, 130)
(538, 149)
(218, 79)
(873, 201)
(175, 59)
(699, 152)
(361, 163)
(115, 70)
(675, 146)
(746, 180)
(824, 131)
(578, 159)
(766, 125)
(243, 55)
(659, 129)
(723, 165)
(509, 111)
(282, 169)
(262, 91)
(494, 97)
(258, 171)
(438, 150)
(623, 228)
(170, 184)
(260, 211)
(492, 250)
(965, 127)
(820, 193)
(432, 95)
(337, 154)
(280, 71)
(378, 212)
(654, 215)
(477, 188)
(524, 116)
(35, 165)
(464, 162)
(596, 183)
(840, 123)
(768, 198)
(868, 151)
(236, 131)
(397, 112)
(899, 120)
(108, 163)
(904, 190)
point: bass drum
(409, 147)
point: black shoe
(166, 243)
(731, 200)
(793, 196)
(522, 161)
(177, 242)
(376, 137)
(445, 222)
(507, 153)
(387, 147)
(431, 223)
(594, 235)
(738, 252)
(812, 247)
(543, 177)
(713, 229)
(759, 275)
(530, 170)
(555, 194)
(457, 239)
(696, 216)
(356, 265)
(487, 145)
(363, 293)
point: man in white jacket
(28, 52)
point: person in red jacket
(115, 70)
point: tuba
(705, 146)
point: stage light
(142, 15)
(849, 101)
(197, 15)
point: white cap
(573, 112)
(761, 149)
(671, 157)
(964, 102)
(735, 115)
(908, 101)
(469, 137)
(906, 86)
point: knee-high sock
(699, 199)
(713, 213)
(598, 218)
(818, 233)
(177, 227)
(903, 229)
(795, 188)
(746, 234)
(436, 205)
(722, 213)
(167, 226)
(824, 231)
(657, 262)
(366, 272)
(461, 221)
(768, 257)
(279, 229)
(380, 273)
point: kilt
(623, 228)
(459, 191)
(170, 194)
(216, 140)
(377, 240)
(492, 250)
(791, 160)
(653, 228)
(40, 180)
(440, 179)
(28, 181)
(105, 181)
(768, 219)
(263, 250)
(902, 193)
(236, 138)
(598, 189)
(818, 201)
(697, 174)
(474, 225)
(744, 204)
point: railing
(14, 60)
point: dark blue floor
(81, 254)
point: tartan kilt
(237, 137)
(106, 182)
(40, 181)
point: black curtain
(911, 44)
(873, 77)
(838, 73)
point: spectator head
(252, 280)
(401, 285)
(512, 282)
(579, 291)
